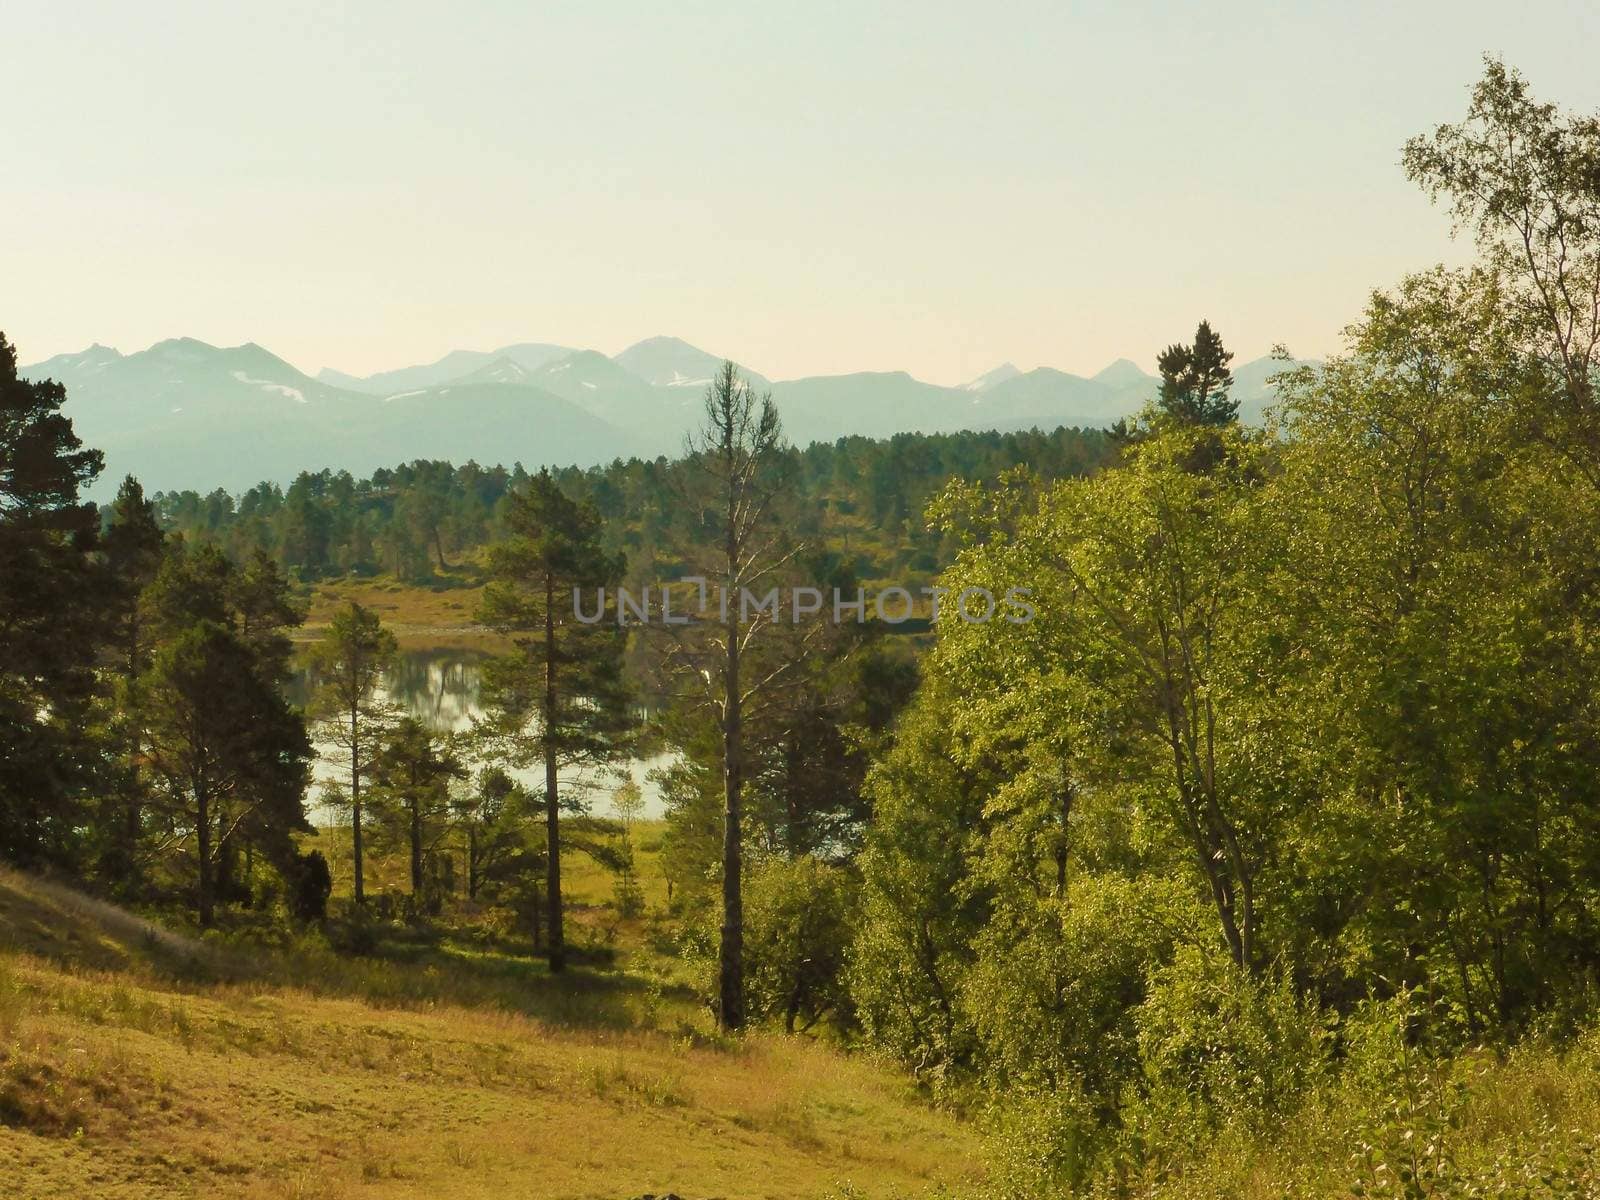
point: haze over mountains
(185, 414)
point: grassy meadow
(139, 1062)
(437, 614)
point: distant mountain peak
(503, 369)
(181, 348)
(185, 413)
(456, 365)
(533, 355)
(989, 379)
(662, 341)
(188, 351)
(1122, 373)
(665, 361)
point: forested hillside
(1249, 847)
(860, 497)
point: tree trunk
(133, 825)
(224, 878)
(203, 832)
(536, 921)
(133, 817)
(552, 799)
(416, 840)
(791, 796)
(1063, 847)
(731, 953)
(355, 797)
(1203, 836)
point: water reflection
(441, 688)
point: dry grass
(125, 1073)
(434, 615)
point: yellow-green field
(135, 1062)
(586, 882)
(439, 615)
(588, 888)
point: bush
(627, 894)
(1042, 1143)
(1056, 982)
(310, 885)
(797, 931)
(1219, 1046)
(357, 933)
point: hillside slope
(137, 1063)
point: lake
(441, 687)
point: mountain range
(185, 414)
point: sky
(808, 188)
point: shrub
(1219, 1046)
(797, 931)
(1042, 1143)
(357, 933)
(1056, 984)
(309, 888)
(627, 894)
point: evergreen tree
(559, 699)
(50, 629)
(737, 473)
(133, 546)
(216, 728)
(492, 815)
(413, 773)
(350, 665)
(1195, 380)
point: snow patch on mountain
(267, 385)
(679, 379)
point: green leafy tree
(230, 751)
(492, 815)
(1524, 179)
(1442, 560)
(799, 917)
(223, 740)
(1146, 575)
(627, 802)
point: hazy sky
(809, 188)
